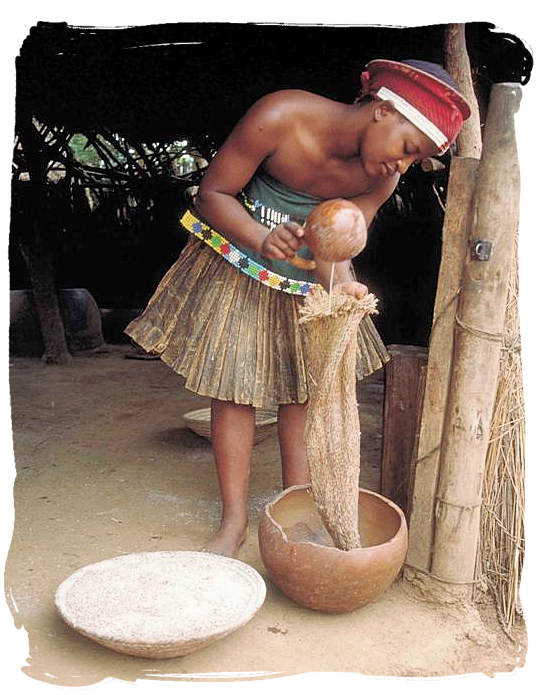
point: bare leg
(232, 430)
(291, 429)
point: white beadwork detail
(416, 117)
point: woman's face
(391, 143)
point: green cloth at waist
(270, 202)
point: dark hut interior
(191, 82)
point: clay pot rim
(330, 548)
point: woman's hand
(283, 241)
(353, 288)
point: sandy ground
(105, 466)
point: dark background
(175, 81)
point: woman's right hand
(351, 287)
(283, 241)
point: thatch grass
(501, 547)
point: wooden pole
(457, 64)
(426, 466)
(480, 321)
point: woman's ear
(383, 109)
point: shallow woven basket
(199, 422)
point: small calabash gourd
(335, 230)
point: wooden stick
(457, 64)
(331, 285)
(302, 263)
(432, 164)
(417, 428)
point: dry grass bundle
(501, 547)
(332, 433)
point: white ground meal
(161, 597)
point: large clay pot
(80, 314)
(302, 561)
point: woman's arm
(254, 139)
(344, 279)
(370, 203)
(343, 272)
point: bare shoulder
(286, 104)
(263, 131)
(289, 99)
(266, 123)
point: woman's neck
(346, 129)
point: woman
(231, 328)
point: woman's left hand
(355, 289)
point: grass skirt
(231, 337)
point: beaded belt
(241, 261)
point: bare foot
(228, 540)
